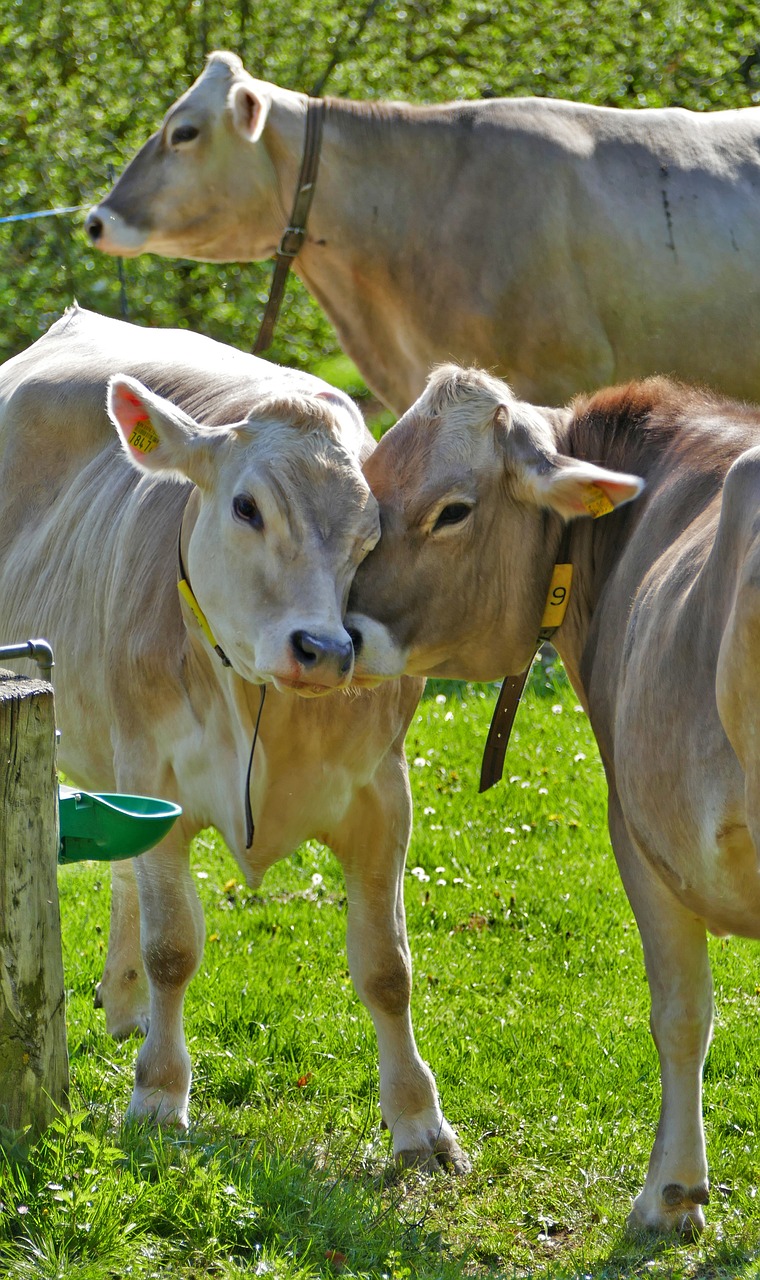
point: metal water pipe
(39, 650)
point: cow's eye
(183, 133)
(454, 513)
(245, 509)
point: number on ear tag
(144, 437)
(558, 597)
(596, 502)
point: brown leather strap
(512, 687)
(295, 233)
(250, 829)
(501, 727)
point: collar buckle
(291, 242)
(294, 235)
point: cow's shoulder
(743, 480)
(739, 523)
(659, 426)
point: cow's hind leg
(123, 990)
(172, 935)
(678, 970)
(371, 846)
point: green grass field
(530, 1003)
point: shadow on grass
(143, 1202)
(671, 1258)
(88, 1201)
(328, 1208)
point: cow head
(284, 515)
(204, 185)
(472, 492)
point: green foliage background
(83, 82)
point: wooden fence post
(34, 1066)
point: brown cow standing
(480, 496)
(563, 246)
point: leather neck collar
(512, 687)
(295, 233)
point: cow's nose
(320, 655)
(93, 226)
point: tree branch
(341, 53)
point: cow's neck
(377, 221)
(630, 538)
(572, 638)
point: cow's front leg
(372, 848)
(678, 970)
(123, 990)
(172, 935)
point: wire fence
(43, 213)
(75, 208)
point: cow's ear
(349, 423)
(539, 474)
(573, 488)
(249, 112)
(156, 435)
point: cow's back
(55, 390)
(53, 420)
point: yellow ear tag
(596, 502)
(558, 597)
(144, 437)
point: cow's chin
(304, 689)
(442, 663)
(378, 657)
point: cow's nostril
(311, 651)
(94, 227)
(357, 640)
(305, 648)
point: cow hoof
(451, 1160)
(138, 1025)
(131, 1025)
(676, 1211)
(434, 1151)
(158, 1109)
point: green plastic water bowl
(107, 828)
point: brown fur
(661, 640)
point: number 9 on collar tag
(558, 597)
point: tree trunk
(34, 1067)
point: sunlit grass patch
(529, 1002)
